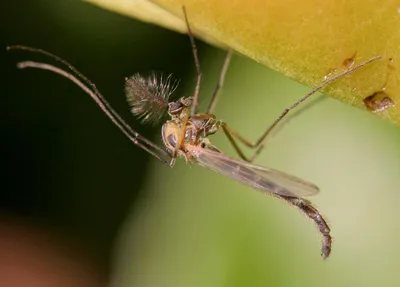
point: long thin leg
(260, 142)
(181, 139)
(96, 96)
(312, 213)
(220, 83)
(133, 136)
(197, 63)
(231, 133)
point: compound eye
(175, 108)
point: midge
(186, 133)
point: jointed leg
(197, 63)
(259, 144)
(181, 139)
(220, 83)
(133, 136)
(231, 134)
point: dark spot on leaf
(349, 62)
(378, 101)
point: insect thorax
(197, 129)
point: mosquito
(186, 133)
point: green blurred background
(67, 169)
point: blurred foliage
(66, 166)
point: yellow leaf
(305, 40)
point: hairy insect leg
(197, 64)
(221, 80)
(312, 213)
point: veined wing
(257, 177)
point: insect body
(186, 133)
(187, 136)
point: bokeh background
(81, 206)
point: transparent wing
(260, 178)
